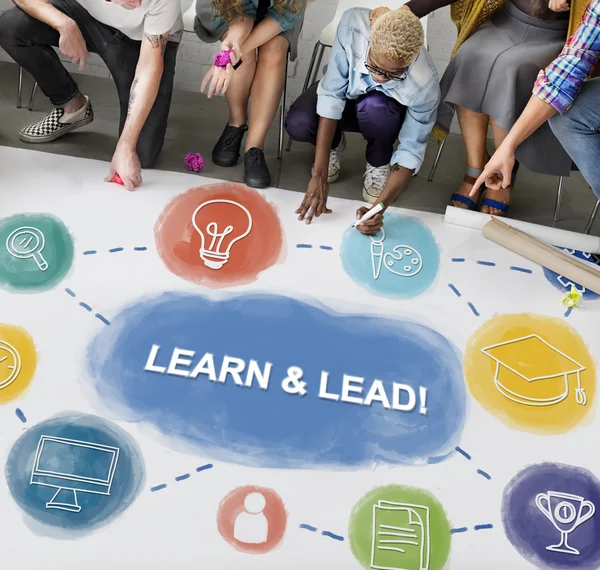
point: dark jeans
(28, 41)
(375, 115)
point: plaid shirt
(559, 84)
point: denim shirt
(286, 20)
(348, 78)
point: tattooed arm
(142, 95)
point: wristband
(237, 64)
(223, 58)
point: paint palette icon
(403, 260)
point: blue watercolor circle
(565, 492)
(563, 283)
(404, 266)
(90, 462)
(268, 427)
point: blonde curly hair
(233, 9)
(397, 36)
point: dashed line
(484, 526)
(493, 264)
(115, 250)
(332, 535)
(326, 533)
(463, 453)
(19, 413)
(472, 307)
(183, 477)
(88, 308)
(468, 457)
(462, 529)
(520, 269)
(308, 527)
(455, 290)
(310, 246)
(459, 294)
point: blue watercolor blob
(271, 428)
(406, 262)
(76, 456)
(563, 283)
(569, 495)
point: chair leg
(282, 112)
(309, 73)
(592, 217)
(19, 87)
(559, 195)
(33, 92)
(436, 161)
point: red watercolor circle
(219, 235)
(252, 519)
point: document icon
(400, 536)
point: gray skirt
(204, 26)
(493, 73)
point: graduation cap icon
(532, 372)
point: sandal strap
(495, 204)
(464, 200)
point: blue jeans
(29, 42)
(578, 130)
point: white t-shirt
(154, 17)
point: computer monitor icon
(72, 467)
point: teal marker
(370, 214)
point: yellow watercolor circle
(18, 361)
(532, 372)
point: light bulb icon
(220, 223)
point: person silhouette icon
(252, 526)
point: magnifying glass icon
(27, 243)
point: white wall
(194, 56)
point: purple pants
(375, 115)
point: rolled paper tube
(551, 236)
(543, 254)
(223, 58)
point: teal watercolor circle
(36, 252)
(409, 249)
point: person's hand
(559, 5)
(218, 77)
(72, 44)
(371, 226)
(497, 173)
(126, 164)
(315, 199)
(376, 13)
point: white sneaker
(57, 123)
(375, 179)
(335, 158)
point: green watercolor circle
(402, 513)
(55, 252)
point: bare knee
(274, 52)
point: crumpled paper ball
(194, 161)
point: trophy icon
(566, 512)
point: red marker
(117, 179)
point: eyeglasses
(389, 76)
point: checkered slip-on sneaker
(57, 124)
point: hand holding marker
(370, 214)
